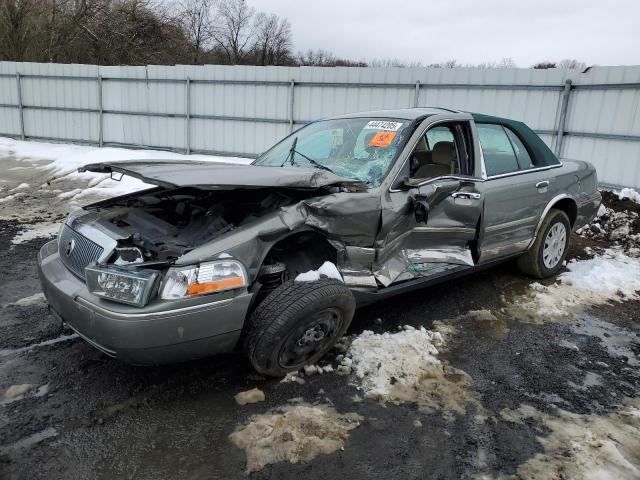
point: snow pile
(376, 359)
(65, 159)
(327, 269)
(295, 434)
(629, 193)
(10, 198)
(250, 396)
(404, 367)
(35, 299)
(588, 447)
(610, 276)
(618, 227)
(15, 391)
(38, 230)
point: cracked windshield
(358, 148)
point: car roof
(403, 113)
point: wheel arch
(301, 250)
(306, 249)
(563, 202)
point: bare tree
(572, 63)
(506, 62)
(273, 40)
(196, 19)
(544, 65)
(235, 29)
(323, 58)
(566, 63)
(394, 62)
(453, 63)
(19, 29)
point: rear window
(522, 155)
(499, 156)
(503, 150)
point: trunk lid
(222, 176)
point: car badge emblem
(70, 246)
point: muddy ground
(98, 418)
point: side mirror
(421, 208)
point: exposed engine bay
(163, 224)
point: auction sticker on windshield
(383, 125)
(382, 139)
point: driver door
(430, 223)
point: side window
(498, 153)
(524, 159)
(439, 134)
(436, 154)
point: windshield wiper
(292, 154)
(292, 150)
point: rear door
(515, 192)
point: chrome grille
(76, 251)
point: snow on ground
(629, 193)
(588, 447)
(404, 367)
(295, 434)
(9, 198)
(34, 299)
(609, 276)
(65, 159)
(38, 230)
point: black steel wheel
(297, 324)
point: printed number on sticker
(383, 125)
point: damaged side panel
(351, 219)
(428, 231)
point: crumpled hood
(213, 175)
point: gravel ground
(539, 392)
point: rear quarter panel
(579, 180)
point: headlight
(133, 287)
(209, 277)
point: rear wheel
(546, 256)
(296, 324)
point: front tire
(547, 254)
(296, 324)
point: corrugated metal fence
(241, 110)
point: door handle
(467, 195)
(543, 184)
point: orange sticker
(382, 139)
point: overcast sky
(470, 31)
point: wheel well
(301, 252)
(568, 206)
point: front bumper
(161, 332)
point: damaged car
(274, 257)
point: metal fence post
(292, 84)
(101, 119)
(563, 117)
(20, 109)
(416, 96)
(187, 140)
